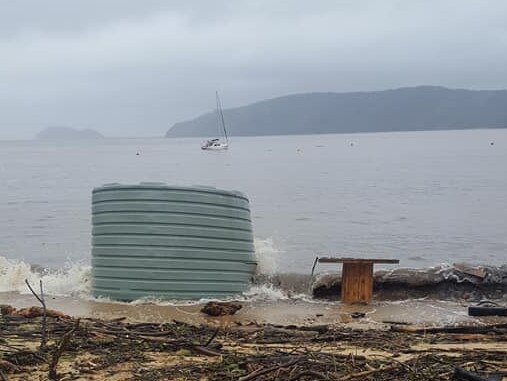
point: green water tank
(171, 242)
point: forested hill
(404, 109)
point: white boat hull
(216, 146)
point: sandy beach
(268, 341)
(265, 340)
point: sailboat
(221, 143)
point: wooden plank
(359, 260)
(357, 282)
(475, 271)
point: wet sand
(424, 312)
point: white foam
(266, 255)
(165, 302)
(266, 292)
(71, 280)
(260, 292)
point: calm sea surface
(422, 197)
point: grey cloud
(133, 68)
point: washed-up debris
(463, 375)
(478, 272)
(487, 308)
(121, 350)
(458, 281)
(30, 312)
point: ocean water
(423, 197)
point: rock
(221, 308)
(67, 133)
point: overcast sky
(135, 67)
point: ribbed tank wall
(170, 242)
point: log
(462, 329)
(487, 311)
(53, 375)
(463, 375)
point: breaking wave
(266, 255)
(442, 281)
(74, 279)
(71, 280)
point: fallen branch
(53, 375)
(211, 338)
(44, 328)
(461, 374)
(462, 329)
(8, 366)
(312, 373)
(3, 376)
(369, 372)
(206, 351)
(260, 372)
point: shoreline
(291, 338)
(304, 311)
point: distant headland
(404, 109)
(67, 133)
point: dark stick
(461, 374)
(53, 375)
(260, 372)
(3, 376)
(311, 373)
(44, 338)
(211, 338)
(33, 292)
(44, 333)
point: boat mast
(221, 117)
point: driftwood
(53, 375)
(212, 337)
(206, 351)
(260, 372)
(470, 270)
(487, 311)
(8, 366)
(368, 372)
(140, 351)
(459, 329)
(463, 375)
(44, 330)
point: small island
(68, 133)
